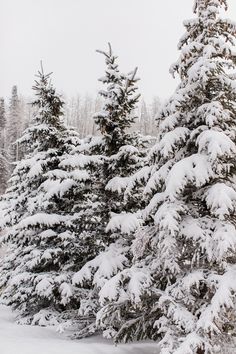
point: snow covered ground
(16, 339)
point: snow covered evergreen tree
(2, 114)
(4, 164)
(181, 286)
(87, 223)
(121, 148)
(144, 118)
(123, 155)
(44, 250)
(12, 126)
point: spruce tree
(4, 163)
(43, 249)
(121, 148)
(2, 114)
(87, 223)
(122, 153)
(181, 287)
(13, 126)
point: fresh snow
(125, 222)
(21, 339)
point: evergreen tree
(156, 106)
(43, 248)
(122, 153)
(13, 126)
(4, 164)
(2, 115)
(144, 118)
(181, 286)
(87, 223)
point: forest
(117, 215)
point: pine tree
(156, 106)
(181, 286)
(119, 101)
(2, 114)
(186, 251)
(4, 164)
(13, 126)
(144, 118)
(122, 153)
(44, 250)
(119, 146)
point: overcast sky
(65, 34)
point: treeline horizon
(81, 107)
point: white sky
(65, 34)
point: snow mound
(16, 339)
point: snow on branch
(216, 144)
(194, 169)
(221, 200)
(41, 219)
(124, 222)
